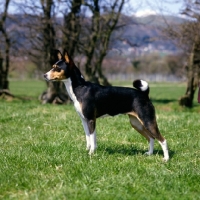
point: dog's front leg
(90, 133)
(93, 143)
(87, 133)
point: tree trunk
(193, 76)
(4, 84)
(3, 76)
(72, 27)
(56, 94)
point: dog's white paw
(91, 152)
(87, 148)
(165, 159)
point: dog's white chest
(77, 105)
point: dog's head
(62, 65)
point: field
(43, 156)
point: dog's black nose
(45, 76)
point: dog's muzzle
(45, 76)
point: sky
(143, 7)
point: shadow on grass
(163, 101)
(124, 149)
(131, 150)
(18, 98)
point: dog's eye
(56, 69)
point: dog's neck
(76, 79)
(68, 85)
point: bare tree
(103, 23)
(187, 37)
(56, 92)
(193, 65)
(38, 25)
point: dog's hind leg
(138, 126)
(150, 131)
(165, 150)
(154, 132)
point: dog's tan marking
(155, 133)
(54, 75)
(135, 115)
(138, 126)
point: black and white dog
(93, 100)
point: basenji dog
(93, 100)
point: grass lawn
(43, 156)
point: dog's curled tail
(141, 85)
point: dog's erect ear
(67, 58)
(55, 56)
(60, 56)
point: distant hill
(159, 20)
(134, 34)
(144, 34)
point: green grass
(28, 88)
(43, 156)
